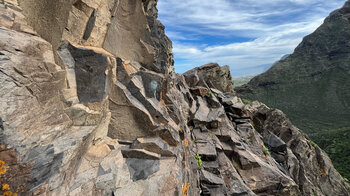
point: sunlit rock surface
(81, 118)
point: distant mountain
(312, 86)
(239, 81)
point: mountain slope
(312, 86)
(240, 81)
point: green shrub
(265, 150)
(199, 160)
(313, 143)
(247, 101)
(209, 94)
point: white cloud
(275, 27)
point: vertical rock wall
(128, 29)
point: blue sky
(247, 35)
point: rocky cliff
(90, 105)
(312, 86)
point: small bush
(265, 150)
(209, 94)
(313, 143)
(199, 160)
(247, 101)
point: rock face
(128, 29)
(312, 86)
(303, 160)
(212, 73)
(80, 118)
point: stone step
(139, 154)
(153, 144)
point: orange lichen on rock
(165, 107)
(9, 193)
(184, 189)
(186, 142)
(323, 171)
(3, 167)
(5, 187)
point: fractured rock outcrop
(128, 29)
(80, 118)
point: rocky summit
(91, 105)
(312, 86)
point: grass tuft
(265, 150)
(199, 160)
(247, 101)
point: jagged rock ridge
(312, 86)
(83, 118)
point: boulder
(140, 169)
(274, 143)
(210, 75)
(230, 99)
(199, 91)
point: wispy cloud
(249, 32)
